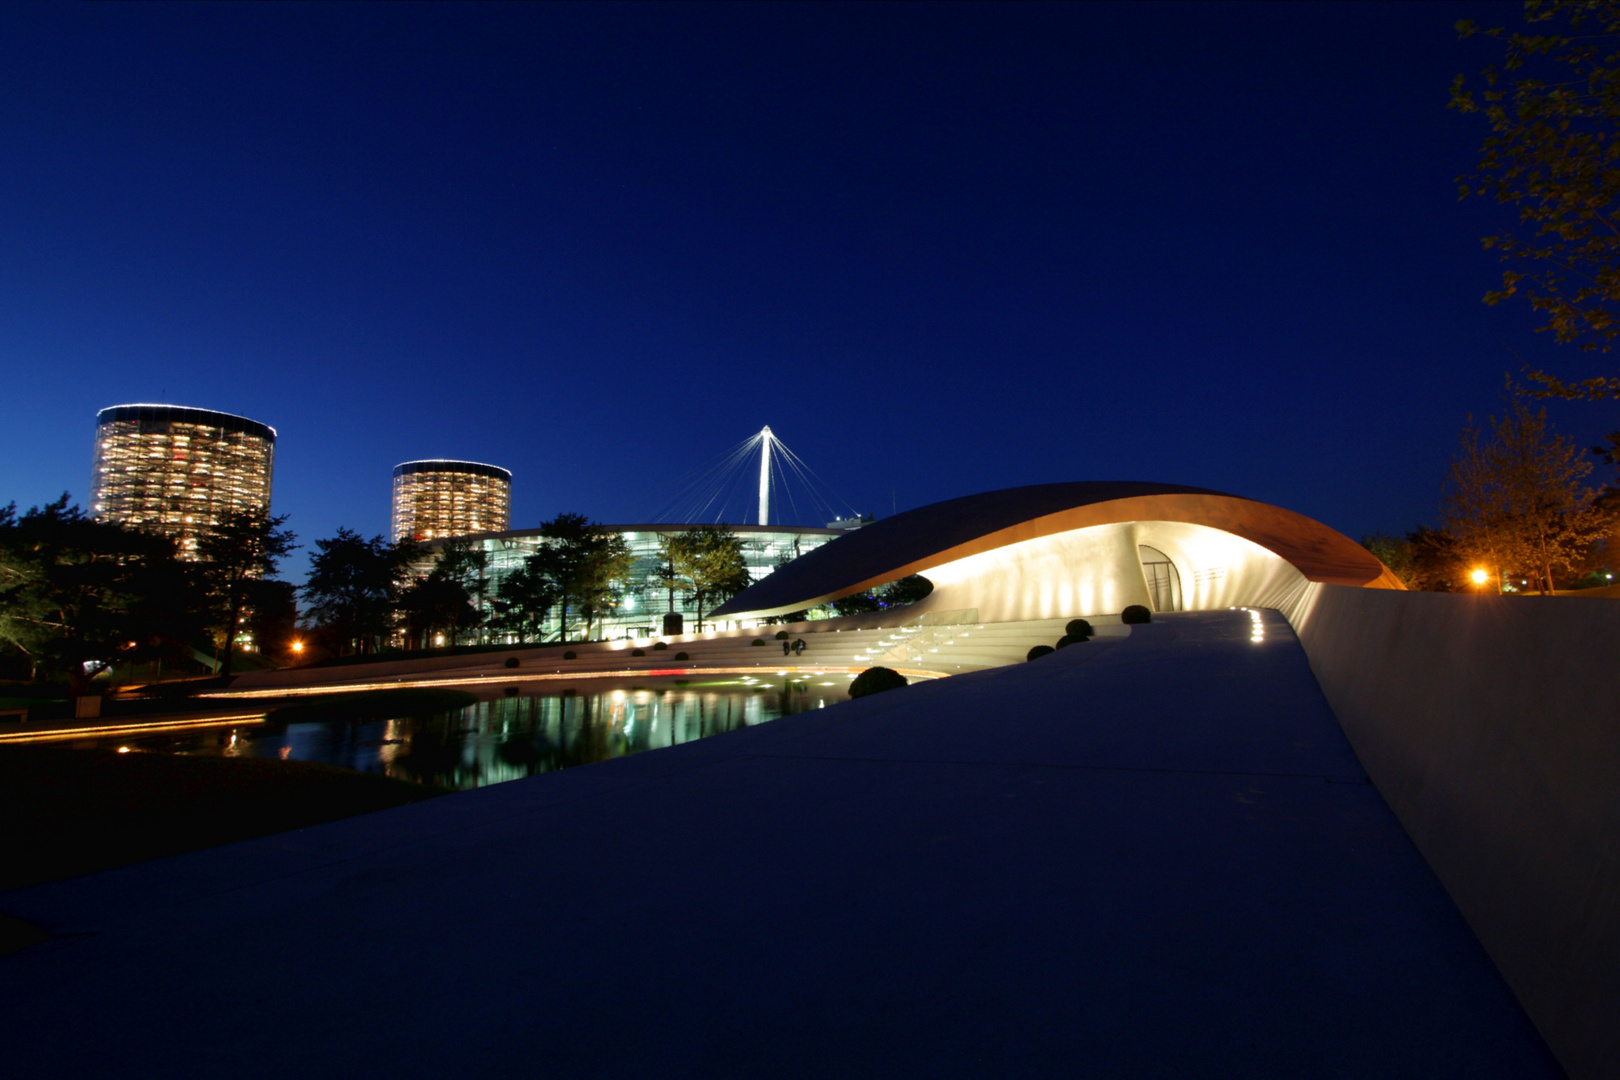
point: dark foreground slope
(1153, 857)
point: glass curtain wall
(640, 605)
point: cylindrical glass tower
(177, 471)
(436, 499)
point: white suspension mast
(765, 439)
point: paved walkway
(1145, 857)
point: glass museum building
(641, 604)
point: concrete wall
(1491, 725)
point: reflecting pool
(509, 735)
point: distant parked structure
(177, 471)
(437, 499)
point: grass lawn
(68, 812)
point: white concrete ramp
(1152, 856)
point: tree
(896, 593)
(467, 564)
(1553, 154)
(355, 584)
(567, 538)
(437, 602)
(76, 593)
(709, 563)
(664, 575)
(1515, 502)
(450, 596)
(602, 572)
(272, 616)
(526, 596)
(903, 591)
(585, 564)
(857, 603)
(242, 548)
(1424, 559)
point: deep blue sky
(939, 249)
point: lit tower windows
(436, 499)
(176, 471)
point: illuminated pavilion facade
(1077, 549)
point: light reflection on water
(511, 737)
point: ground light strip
(108, 730)
(486, 679)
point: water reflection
(509, 736)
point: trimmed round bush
(570, 655)
(660, 646)
(1071, 639)
(682, 656)
(875, 680)
(782, 635)
(511, 661)
(1136, 613)
(1038, 651)
(1078, 628)
(638, 652)
(759, 641)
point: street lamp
(1480, 578)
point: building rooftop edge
(186, 408)
(656, 527)
(453, 461)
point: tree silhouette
(242, 548)
(75, 591)
(1553, 154)
(709, 562)
(1515, 500)
(354, 586)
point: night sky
(939, 249)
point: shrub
(1136, 613)
(1070, 639)
(570, 655)
(682, 656)
(1038, 651)
(759, 641)
(511, 661)
(511, 691)
(1078, 628)
(782, 635)
(659, 646)
(875, 680)
(638, 652)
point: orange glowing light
(298, 646)
(1480, 577)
